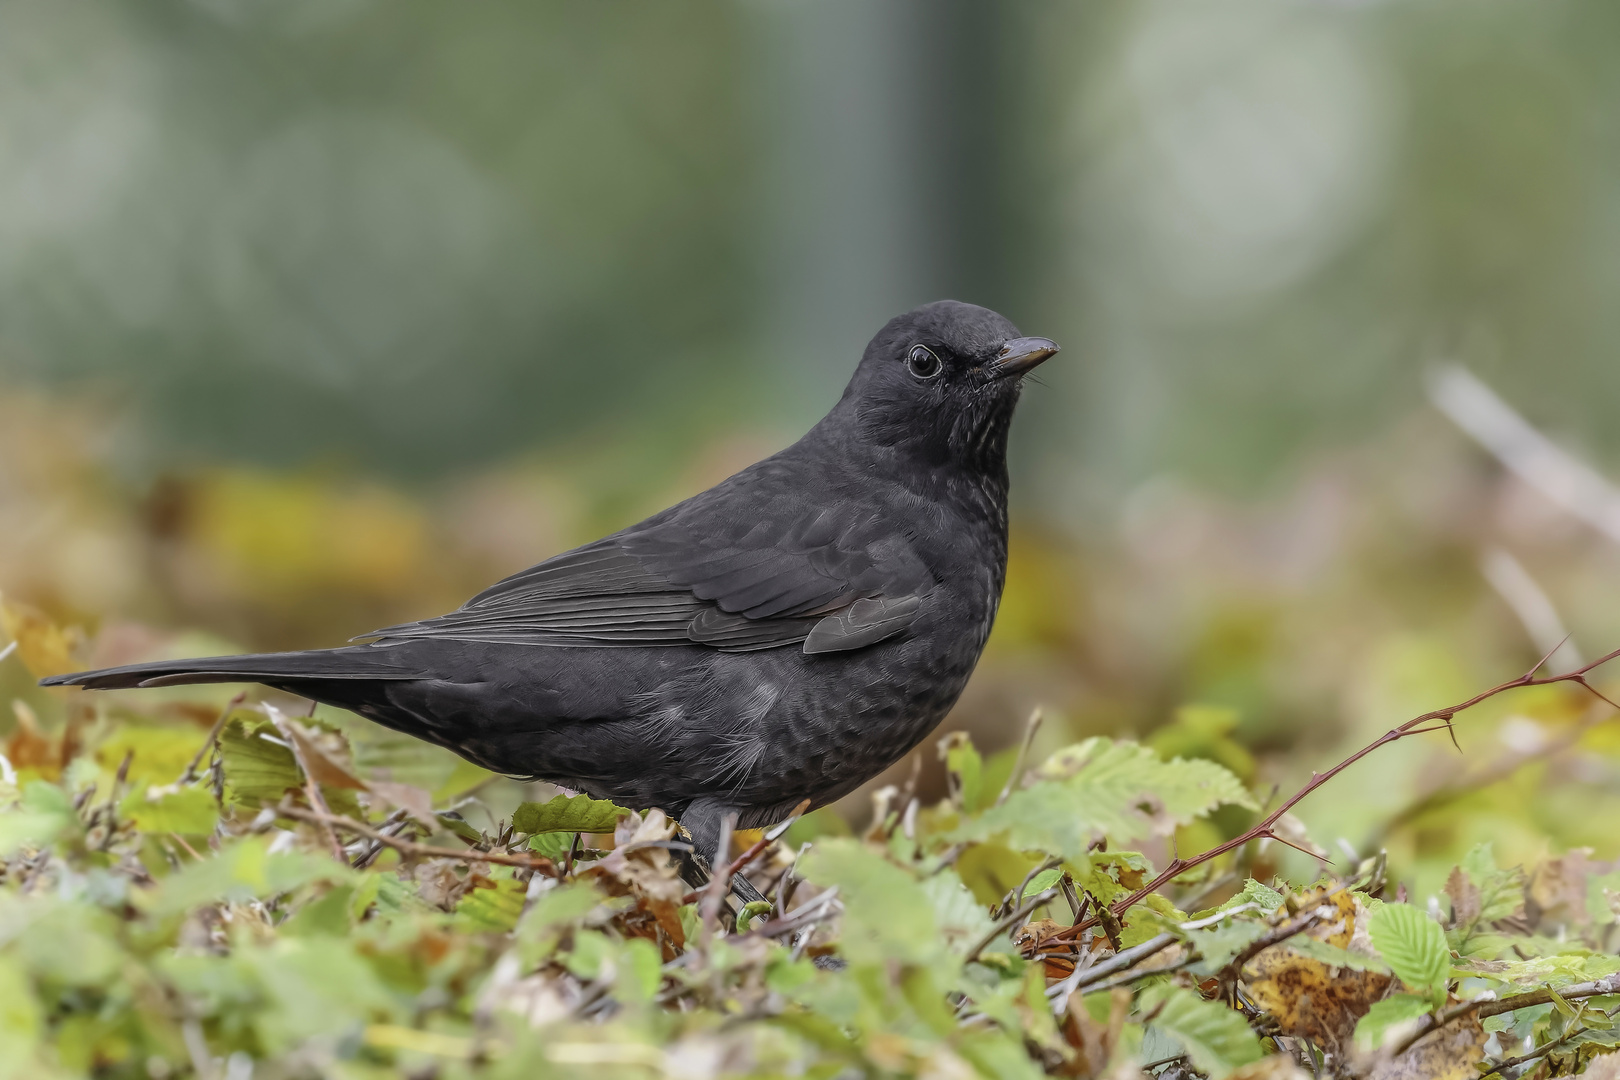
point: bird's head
(940, 383)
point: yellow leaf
(43, 647)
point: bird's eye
(922, 362)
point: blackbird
(785, 635)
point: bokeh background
(317, 315)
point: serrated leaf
(259, 768)
(568, 813)
(190, 811)
(1216, 947)
(494, 903)
(1333, 956)
(1118, 788)
(1413, 945)
(552, 845)
(887, 914)
(1264, 896)
(962, 919)
(1395, 1009)
(1216, 1038)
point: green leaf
(1334, 956)
(259, 768)
(241, 871)
(1395, 1009)
(21, 1020)
(63, 941)
(1265, 896)
(496, 905)
(962, 920)
(452, 822)
(552, 845)
(1117, 788)
(887, 914)
(190, 811)
(964, 770)
(568, 813)
(1217, 946)
(1501, 892)
(43, 814)
(1413, 945)
(1216, 1038)
(1041, 882)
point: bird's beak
(1022, 354)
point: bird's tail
(276, 669)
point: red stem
(1264, 828)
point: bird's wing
(751, 577)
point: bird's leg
(701, 825)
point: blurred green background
(320, 314)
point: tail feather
(362, 662)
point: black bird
(785, 635)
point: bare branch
(409, 847)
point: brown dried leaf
(649, 874)
(27, 748)
(322, 768)
(1447, 1054)
(1464, 895)
(438, 883)
(1603, 1067)
(1092, 1042)
(1558, 889)
(1308, 998)
(409, 798)
(1035, 940)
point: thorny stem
(1264, 828)
(410, 847)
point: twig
(7, 651)
(213, 734)
(410, 847)
(1139, 974)
(740, 863)
(1129, 958)
(1030, 728)
(1035, 871)
(1544, 1049)
(1609, 984)
(1266, 826)
(1275, 937)
(1493, 1006)
(719, 883)
(1009, 922)
(809, 912)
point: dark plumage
(785, 635)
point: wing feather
(747, 570)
